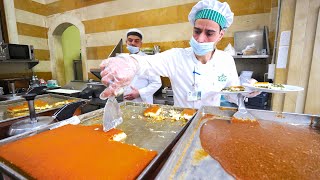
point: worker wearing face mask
(196, 73)
(134, 41)
(143, 86)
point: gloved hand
(253, 93)
(116, 73)
(133, 94)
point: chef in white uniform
(142, 87)
(196, 73)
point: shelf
(31, 63)
(251, 57)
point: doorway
(62, 26)
(71, 49)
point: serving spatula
(242, 115)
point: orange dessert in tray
(152, 111)
(188, 113)
(76, 152)
(38, 105)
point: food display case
(52, 99)
(6, 118)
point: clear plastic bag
(112, 115)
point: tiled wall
(164, 23)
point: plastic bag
(250, 50)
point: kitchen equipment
(3, 49)
(51, 99)
(73, 88)
(66, 92)
(16, 52)
(244, 38)
(169, 92)
(242, 114)
(258, 102)
(141, 131)
(36, 90)
(34, 122)
(34, 82)
(186, 161)
(52, 83)
(9, 87)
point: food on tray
(188, 113)
(270, 150)
(185, 114)
(61, 103)
(152, 111)
(268, 85)
(119, 137)
(38, 105)
(17, 108)
(84, 152)
(175, 115)
(233, 89)
(277, 86)
(262, 84)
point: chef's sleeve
(233, 81)
(161, 64)
(153, 86)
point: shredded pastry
(152, 111)
(233, 89)
(268, 85)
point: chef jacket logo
(222, 78)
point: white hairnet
(213, 10)
(134, 31)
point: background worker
(142, 87)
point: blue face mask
(201, 49)
(133, 49)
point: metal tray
(159, 135)
(182, 164)
(49, 98)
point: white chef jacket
(147, 85)
(179, 64)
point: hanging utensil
(242, 115)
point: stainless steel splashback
(244, 38)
